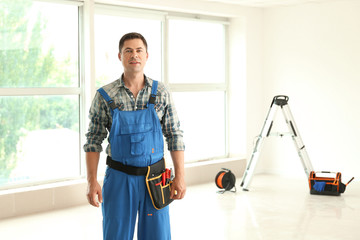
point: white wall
(312, 54)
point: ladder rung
(281, 134)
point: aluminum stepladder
(282, 102)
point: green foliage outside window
(25, 63)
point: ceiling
(268, 3)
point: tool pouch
(158, 191)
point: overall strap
(107, 98)
(153, 92)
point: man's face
(133, 56)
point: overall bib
(136, 140)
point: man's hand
(178, 188)
(94, 194)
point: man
(126, 112)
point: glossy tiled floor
(275, 208)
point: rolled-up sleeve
(98, 126)
(171, 125)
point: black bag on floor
(325, 184)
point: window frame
(56, 91)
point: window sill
(204, 172)
(40, 198)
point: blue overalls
(136, 140)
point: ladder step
(281, 134)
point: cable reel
(225, 180)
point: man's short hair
(129, 36)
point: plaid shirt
(101, 119)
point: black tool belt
(139, 171)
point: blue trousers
(124, 198)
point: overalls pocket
(137, 144)
(138, 137)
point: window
(197, 77)
(202, 116)
(196, 56)
(43, 103)
(39, 92)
